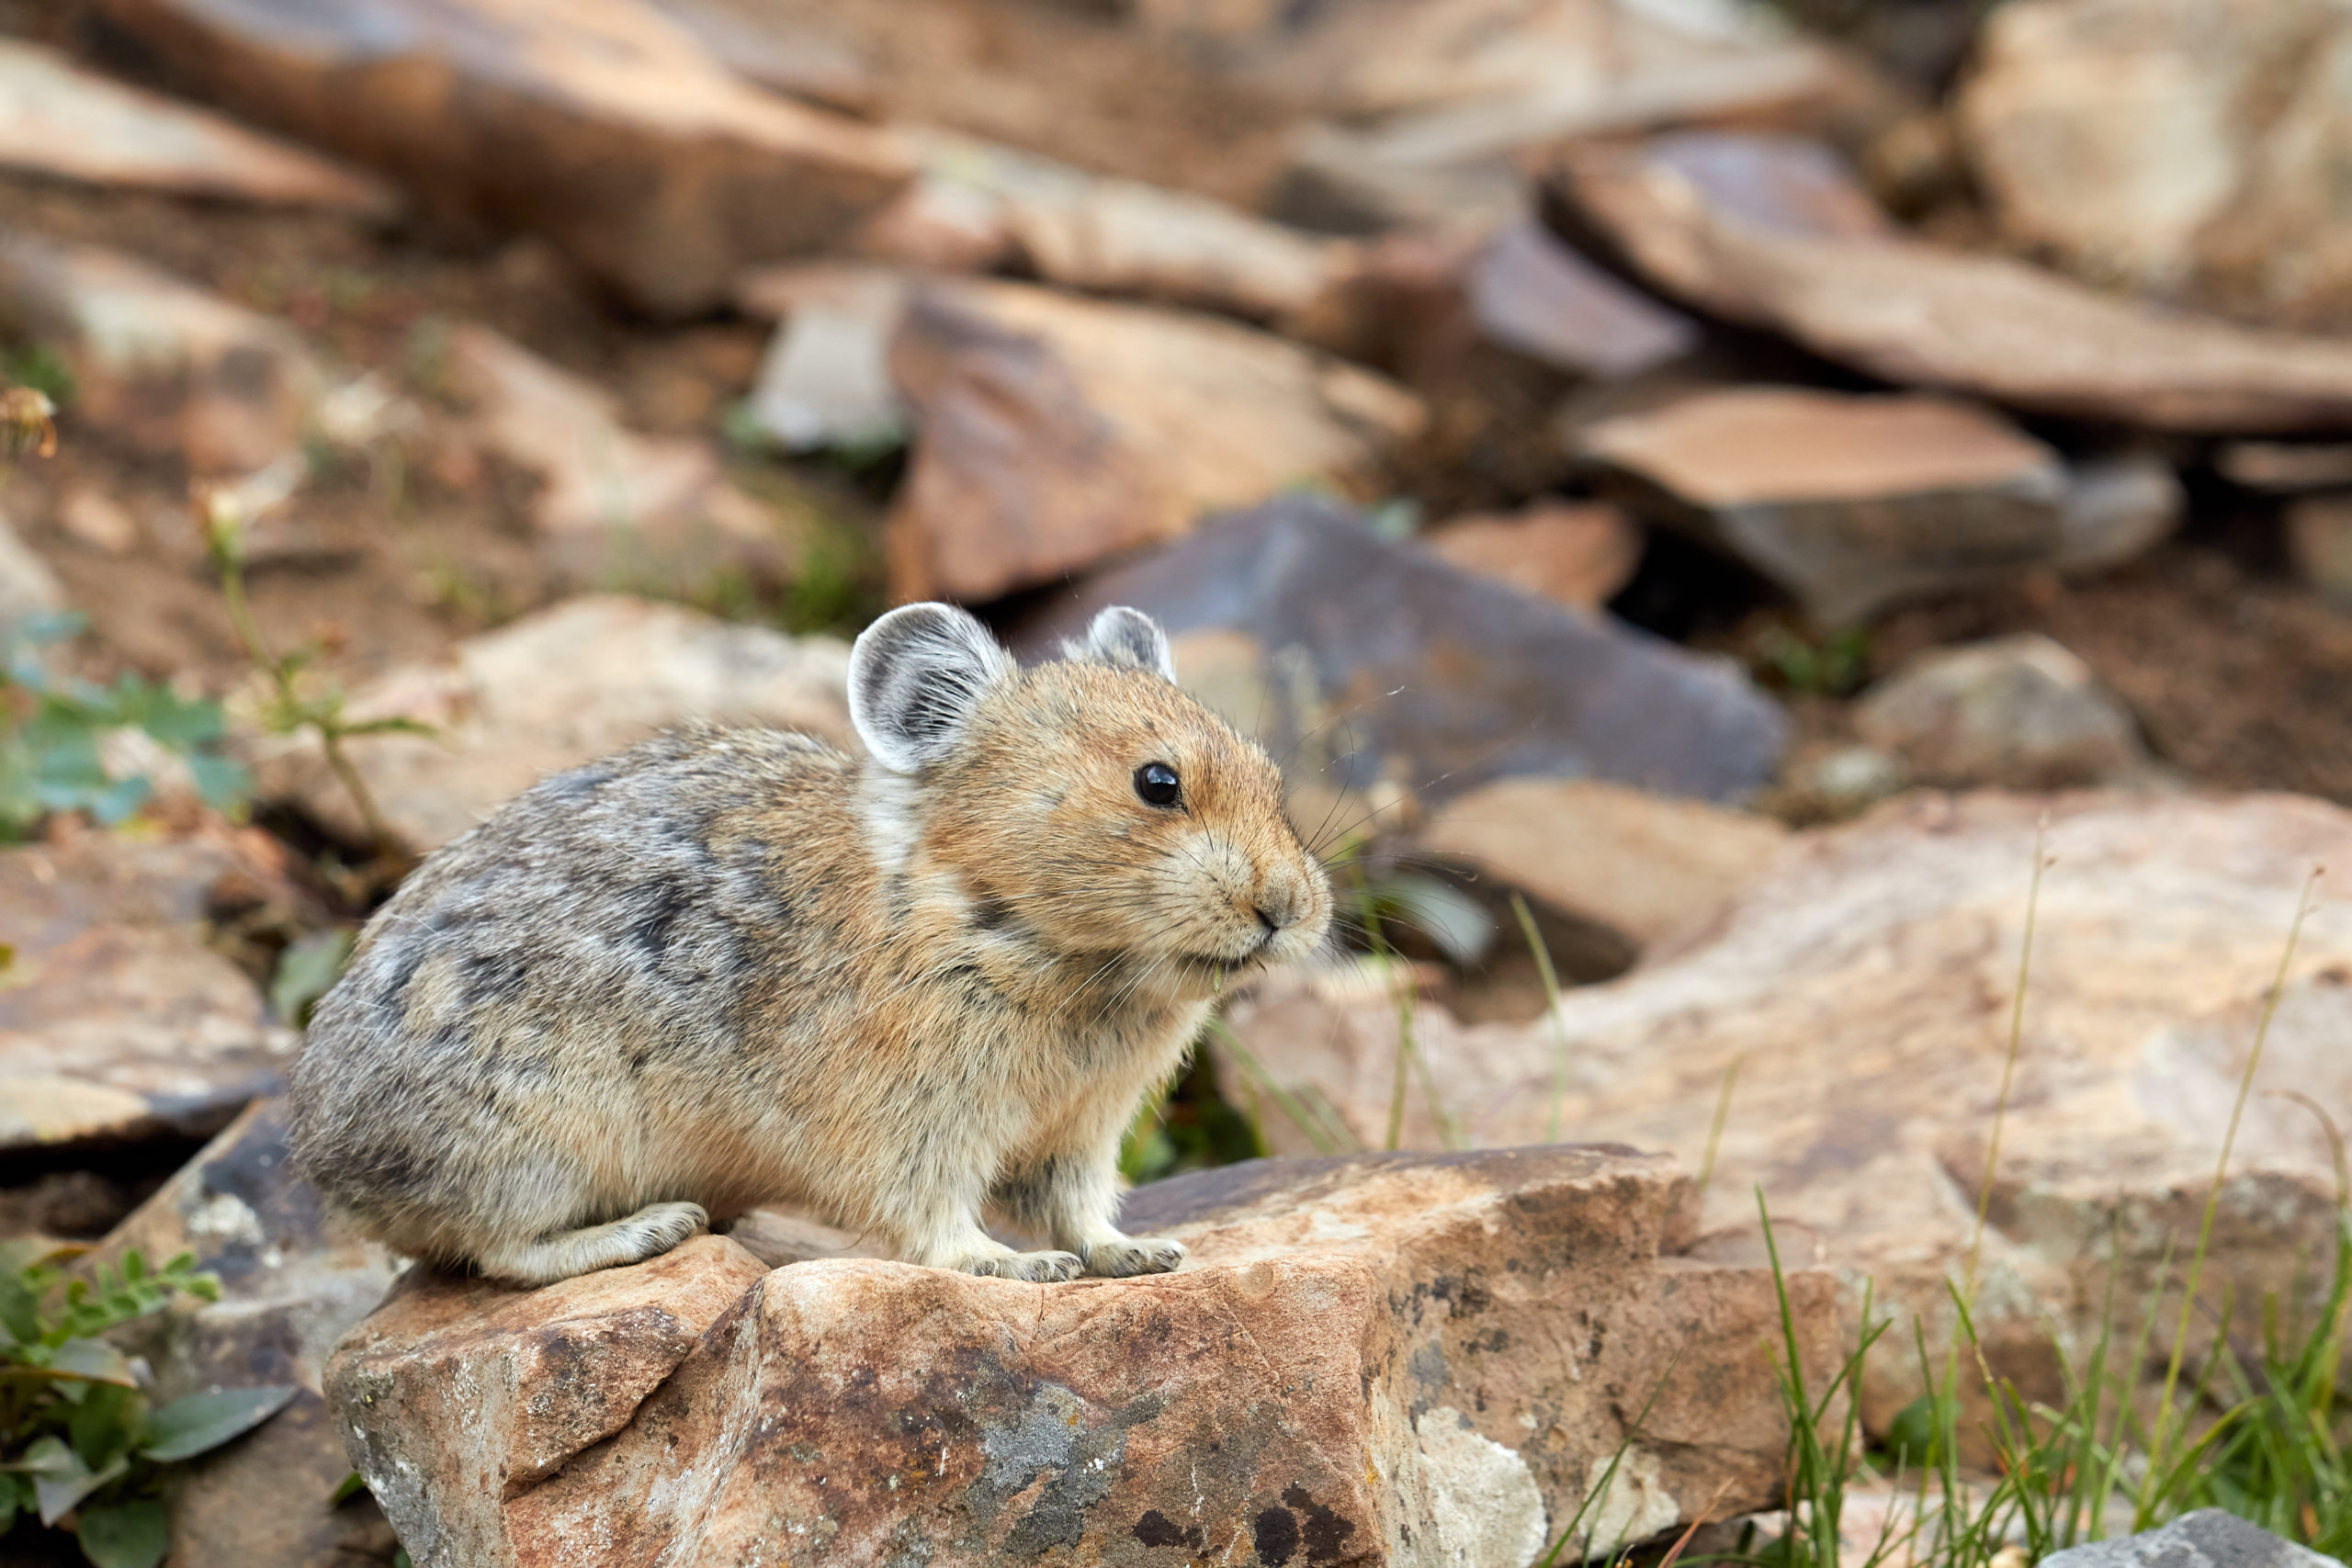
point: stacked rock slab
(1385, 1360)
(1855, 1002)
(601, 125)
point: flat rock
(1375, 667)
(158, 363)
(2287, 467)
(825, 380)
(1851, 502)
(292, 1283)
(1862, 990)
(1385, 1359)
(1573, 553)
(2319, 545)
(1058, 432)
(1705, 216)
(614, 508)
(603, 125)
(117, 1021)
(1649, 867)
(2181, 147)
(779, 49)
(1430, 107)
(1102, 235)
(549, 691)
(1417, 299)
(2206, 1539)
(2019, 712)
(59, 120)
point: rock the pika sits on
(730, 968)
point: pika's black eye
(1157, 783)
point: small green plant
(1833, 666)
(83, 1448)
(292, 705)
(59, 732)
(306, 971)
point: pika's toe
(664, 1225)
(1134, 1255)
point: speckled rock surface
(1389, 1359)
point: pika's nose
(1275, 910)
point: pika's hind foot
(1129, 1255)
(651, 1232)
(1037, 1268)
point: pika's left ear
(1125, 639)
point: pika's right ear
(915, 676)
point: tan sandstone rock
(1851, 502)
(549, 692)
(604, 125)
(1774, 232)
(1647, 866)
(1430, 105)
(1386, 1359)
(2183, 147)
(1056, 432)
(1574, 553)
(117, 1021)
(1862, 990)
(60, 119)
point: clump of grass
(2263, 1435)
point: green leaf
(351, 1486)
(305, 972)
(8, 1503)
(101, 1424)
(224, 783)
(61, 1479)
(19, 1307)
(92, 1360)
(125, 1535)
(201, 1421)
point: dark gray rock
(292, 1279)
(1395, 669)
(2206, 1539)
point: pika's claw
(1134, 1255)
(1037, 1268)
(661, 1227)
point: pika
(731, 967)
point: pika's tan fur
(733, 968)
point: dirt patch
(2240, 679)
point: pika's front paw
(1134, 1255)
(657, 1227)
(1037, 1268)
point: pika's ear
(915, 676)
(1124, 638)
